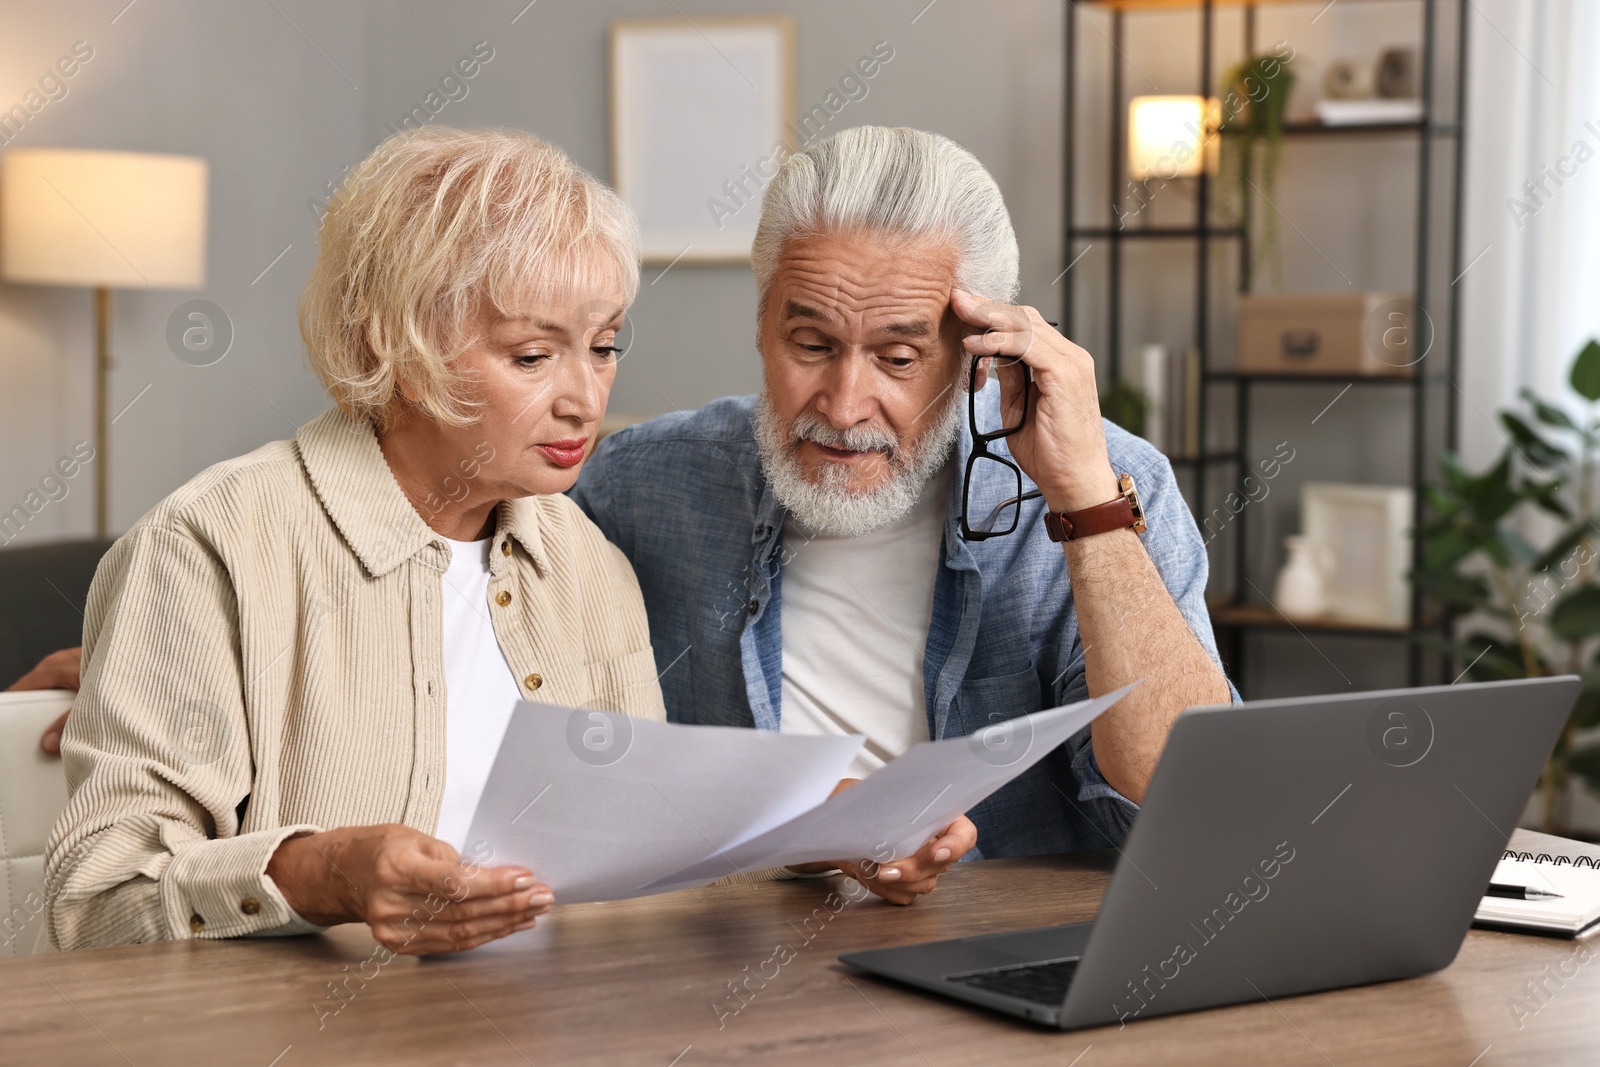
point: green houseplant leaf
(1492, 659)
(1549, 414)
(1546, 496)
(1587, 713)
(1538, 451)
(1565, 548)
(1585, 763)
(1586, 371)
(1577, 615)
(1460, 593)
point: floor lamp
(104, 220)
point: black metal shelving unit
(1245, 614)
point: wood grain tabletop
(749, 975)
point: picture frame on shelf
(700, 121)
(1368, 529)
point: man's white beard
(830, 507)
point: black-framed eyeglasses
(991, 502)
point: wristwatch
(1124, 512)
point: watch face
(1130, 490)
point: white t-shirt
(855, 614)
(480, 690)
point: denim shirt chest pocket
(984, 701)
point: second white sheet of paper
(602, 807)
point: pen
(1520, 892)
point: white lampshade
(115, 219)
(1172, 136)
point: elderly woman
(297, 667)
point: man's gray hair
(895, 181)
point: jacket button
(755, 606)
(533, 681)
(505, 547)
(502, 598)
(196, 924)
(250, 906)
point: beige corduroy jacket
(263, 655)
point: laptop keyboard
(1041, 983)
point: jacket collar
(367, 506)
(520, 520)
(957, 552)
(769, 518)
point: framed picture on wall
(1368, 528)
(699, 124)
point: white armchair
(33, 793)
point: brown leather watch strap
(1122, 513)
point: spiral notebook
(1552, 865)
(1530, 846)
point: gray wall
(282, 103)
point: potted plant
(1255, 103)
(1126, 405)
(1528, 609)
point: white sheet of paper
(902, 806)
(598, 804)
(603, 807)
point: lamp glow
(1172, 136)
(103, 220)
(118, 219)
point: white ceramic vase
(1302, 586)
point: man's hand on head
(1062, 444)
(58, 670)
(1062, 447)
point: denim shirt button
(755, 606)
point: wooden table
(641, 982)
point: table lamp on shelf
(1172, 136)
(103, 220)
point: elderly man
(802, 553)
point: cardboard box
(1329, 333)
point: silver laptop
(1284, 847)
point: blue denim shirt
(685, 499)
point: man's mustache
(809, 427)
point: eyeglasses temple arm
(1032, 494)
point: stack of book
(1172, 384)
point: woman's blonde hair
(431, 229)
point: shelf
(1380, 129)
(1136, 6)
(1230, 395)
(1108, 233)
(1317, 379)
(1313, 128)
(1263, 617)
(1208, 458)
